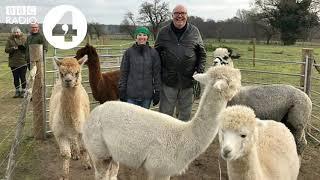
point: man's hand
(123, 95)
(156, 98)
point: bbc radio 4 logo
(64, 27)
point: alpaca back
(272, 101)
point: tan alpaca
(69, 108)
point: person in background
(35, 37)
(16, 49)
(182, 53)
(139, 82)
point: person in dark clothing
(35, 37)
(17, 62)
(139, 82)
(182, 53)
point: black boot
(22, 92)
(17, 94)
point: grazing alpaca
(69, 108)
(104, 86)
(283, 103)
(256, 149)
(163, 145)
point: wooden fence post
(88, 39)
(306, 70)
(254, 52)
(39, 122)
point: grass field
(29, 168)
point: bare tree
(90, 30)
(258, 21)
(154, 14)
(97, 29)
(129, 24)
(293, 18)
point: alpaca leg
(65, 153)
(158, 177)
(85, 160)
(75, 150)
(113, 170)
(297, 122)
(102, 168)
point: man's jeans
(143, 103)
(180, 98)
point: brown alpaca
(104, 85)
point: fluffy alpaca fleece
(69, 108)
(104, 85)
(283, 103)
(256, 149)
(163, 145)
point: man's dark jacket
(180, 58)
(35, 38)
(140, 72)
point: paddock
(285, 67)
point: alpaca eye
(243, 135)
(77, 74)
(226, 57)
(61, 74)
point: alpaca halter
(223, 60)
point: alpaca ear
(235, 55)
(221, 84)
(83, 60)
(57, 61)
(201, 77)
(261, 123)
(229, 51)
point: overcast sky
(112, 11)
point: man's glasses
(180, 13)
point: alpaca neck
(245, 168)
(204, 125)
(95, 75)
(70, 103)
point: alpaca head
(87, 50)
(238, 131)
(225, 79)
(224, 56)
(70, 70)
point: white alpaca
(69, 108)
(163, 145)
(224, 56)
(282, 103)
(256, 149)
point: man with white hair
(182, 54)
(35, 37)
(17, 62)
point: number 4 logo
(64, 27)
